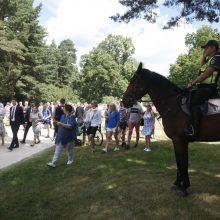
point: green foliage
(110, 99)
(120, 48)
(50, 92)
(11, 54)
(187, 65)
(66, 63)
(201, 36)
(28, 67)
(190, 10)
(107, 69)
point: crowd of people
(64, 119)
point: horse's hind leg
(181, 152)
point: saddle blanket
(212, 106)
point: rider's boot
(193, 130)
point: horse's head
(136, 89)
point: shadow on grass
(125, 185)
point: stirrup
(189, 131)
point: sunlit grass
(125, 185)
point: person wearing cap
(206, 83)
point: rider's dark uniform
(205, 90)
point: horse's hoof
(179, 191)
(182, 193)
(174, 188)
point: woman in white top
(2, 125)
(93, 122)
(148, 128)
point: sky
(87, 23)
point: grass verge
(125, 185)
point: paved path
(8, 158)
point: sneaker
(104, 150)
(145, 149)
(50, 164)
(116, 149)
(69, 162)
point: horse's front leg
(181, 152)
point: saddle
(210, 107)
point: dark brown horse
(165, 96)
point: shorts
(123, 125)
(92, 130)
(46, 122)
(132, 125)
(113, 130)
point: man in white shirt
(135, 113)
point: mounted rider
(206, 83)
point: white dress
(148, 127)
(36, 125)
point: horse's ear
(140, 66)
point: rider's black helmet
(211, 43)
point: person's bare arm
(202, 77)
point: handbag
(87, 124)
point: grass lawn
(124, 185)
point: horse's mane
(164, 82)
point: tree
(187, 66)
(67, 69)
(121, 50)
(21, 24)
(119, 47)
(190, 10)
(49, 92)
(11, 54)
(107, 69)
(49, 64)
(100, 76)
(28, 67)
